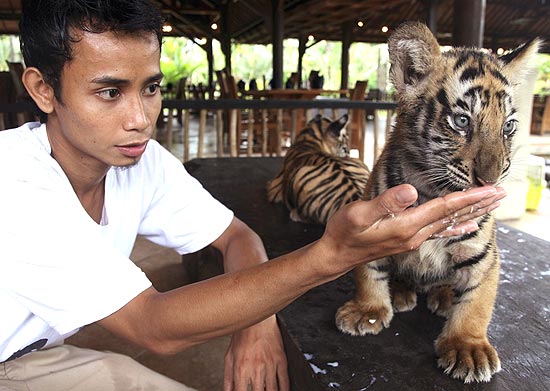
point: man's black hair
(48, 27)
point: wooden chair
(232, 119)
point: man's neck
(86, 176)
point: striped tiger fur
(317, 176)
(455, 122)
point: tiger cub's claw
(470, 360)
(355, 319)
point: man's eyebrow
(156, 77)
(109, 80)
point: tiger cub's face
(457, 108)
(332, 135)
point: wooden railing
(275, 116)
(245, 119)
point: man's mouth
(132, 149)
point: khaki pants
(66, 367)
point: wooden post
(278, 132)
(210, 58)
(169, 129)
(265, 133)
(226, 34)
(469, 23)
(347, 32)
(250, 133)
(375, 146)
(186, 132)
(202, 125)
(278, 36)
(301, 51)
(233, 133)
(293, 123)
(219, 133)
(431, 15)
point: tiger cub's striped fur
(455, 123)
(318, 177)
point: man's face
(110, 100)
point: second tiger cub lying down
(318, 177)
(455, 124)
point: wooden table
(401, 357)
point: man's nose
(136, 117)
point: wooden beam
(226, 34)
(469, 23)
(347, 34)
(301, 51)
(431, 15)
(278, 36)
(210, 59)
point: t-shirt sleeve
(57, 263)
(182, 214)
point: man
(79, 187)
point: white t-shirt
(59, 270)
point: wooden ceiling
(507, 22)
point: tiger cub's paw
(403, 300)
(471, 360)
(355, 319)
(440, 300)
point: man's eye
(152, 89)
(111, 93)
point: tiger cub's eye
(509, 127)
(461, 121)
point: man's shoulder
(24, 154)
(21, 139)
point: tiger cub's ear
(413, 50)
(336, 126)
(520, 61)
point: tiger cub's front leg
(370, 310)
(463, 348)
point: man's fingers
(447, 208)
(228, 371)
(271, 381)
(456, 230)
(282, 377)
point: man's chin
(126, 166)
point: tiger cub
(455, 122)
(318, 176)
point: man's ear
(39, 90)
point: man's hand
(368, 230)
(256, 357)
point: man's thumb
(397, 198)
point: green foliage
(9, 51)
(180, 58)
(542, 85)
(252, 62)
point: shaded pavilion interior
(488, 23)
